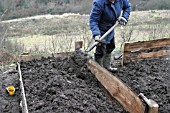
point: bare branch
(3, 14)
(3, 37)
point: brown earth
(150, 77)
(66, 85)
(9, 104)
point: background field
(26, 8)
(57, 33)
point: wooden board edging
(39, 56)
(136, 46)
(117, 89)
(146, 49)
(23, 101)
(150, 55)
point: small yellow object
(11, 90)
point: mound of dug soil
(64, 85)
(150, 77)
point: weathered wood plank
(136, 46)
(24, 101)
(148, 55)
(117, 89)
(146, 49)
(31, 57)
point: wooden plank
(31, 57)
(117, 89)
(23, 101)
(136, 46)
(146, 49)
(160, 53)
(26, 56)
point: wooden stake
(78, 44)
(153, 106)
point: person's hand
(122, 21)
(97, 38)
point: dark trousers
(102, 49)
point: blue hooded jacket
(104, 15)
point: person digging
(103, 16)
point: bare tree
(3, 14)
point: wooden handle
(110, 30)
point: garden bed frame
(147, 49)
(113, 85)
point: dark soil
(9, 104)
(150, 77)
(64, 85)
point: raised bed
(64, 85)
(146, 50)
(150, 77)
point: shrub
(156, 5)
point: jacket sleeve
(126, 9)
(95, 16)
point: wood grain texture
(153, 107)
(117, 89)
(136, 46)
(39, 56)
(146, 49)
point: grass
(48, 43)
(58, 34)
